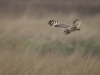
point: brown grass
(26, 63)
(29, 46)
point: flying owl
(67, 28)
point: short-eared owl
(67, 28)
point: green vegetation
(57, 46)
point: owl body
(67, 28)
(58, 24)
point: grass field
(29, 46)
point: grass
(57, 46)
(29, 46)
(22, 62)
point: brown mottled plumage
(67, 28)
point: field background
(29, 46)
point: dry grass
(29, 46)
(26, 63)
(38, 28)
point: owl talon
(67, 32)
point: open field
(29, 46)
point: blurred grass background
(29, 46)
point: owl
(66, 27)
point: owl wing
(77, 23)
(59, 24)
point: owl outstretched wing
(76, 24)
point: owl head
(52, 23)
